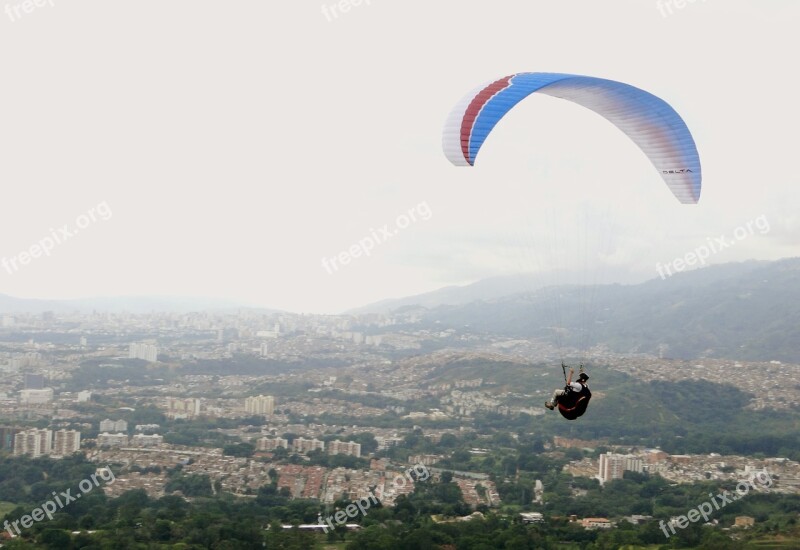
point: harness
(573, 403)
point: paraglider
(653, 125)
(574, 398)
(649, 121)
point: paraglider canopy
(648, 120)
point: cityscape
(345, 378)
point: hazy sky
(228, 147)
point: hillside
(747, 311)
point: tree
(239, 450)
(55, 538)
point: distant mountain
(9, 304)
(747, 310)
(132, 304)
(494, 288)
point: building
(595, 523)
(146, 352)
(532, 517)
(744, 521)
(654, 456)
(46, 441)
(84, 396)
(27, 443)
(270, 444)
(425, 460)
(25, 360)
(112, 440)
(108, 425)
(183, 408)
(388, 442)
(569, 443)
(634, 464)
(612, 466)
(66, 442)
(349, 448)
(33, 381)
(7, 438)
(301, 445)
(142, 440)
(33, 443)
(638, 519)
(146, 427)
(36, 397)
(261, 404)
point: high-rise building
(109, 425)
(33, 381)
(261, 404)
(7, 437)
(301, 445)
(634, 464)
(46, 441)
(270, 444)
(349, 448)
(146, 352)
(183, 408)
(36, 397)
(33, 443)
(613, 466)
(27, 443)
(388, 442)
(66, 442)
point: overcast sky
(228, 147)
